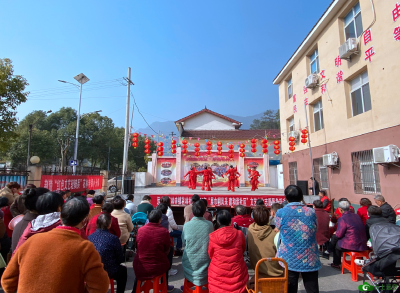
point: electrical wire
(134, 101)
(71, 91)
(77, 98)
(69, 86)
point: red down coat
(152, 248)
(227, 271)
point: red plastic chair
(112, 285)
(154, 284)
(199, 289)
(351, 266)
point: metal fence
(18, 175)
(365, 173)
(68, 170)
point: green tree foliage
(12, 94)
(269, 120)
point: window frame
(314, 59)
(320, 115)
(293, 173)
(353, 21)
(361, 177)
(362, 93)
(290, 85)
(319, 170)
(291, 125)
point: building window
(290, 88)
(293, 173)
(314, 62)
(291, 124)
(321, 173)
(365, 173)
(318, 116)
(353, 27)
(360, 94)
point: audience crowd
(80, 240)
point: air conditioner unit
(348, 48)
(387, 154)
(331, 159)
(295, 134)
(311, 81)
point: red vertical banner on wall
(70, 182)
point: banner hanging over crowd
(74, 183)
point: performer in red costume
(192, 177)
(254, 175)
(211, 176)
(231, 178)
(206, 176)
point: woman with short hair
(124, 220)
(10, 191)
(227, 271)
(363, 210)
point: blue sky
(183, 54)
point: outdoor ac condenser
(330, 159)
(311, 81)
(348, 48)
(295, 134)
(387, 154)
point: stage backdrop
(71, 182)
(251, 162)
(218, 164)
(166, 172)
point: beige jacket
(125, 224)
(6, 192)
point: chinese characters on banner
(71, 182)
(221, 200)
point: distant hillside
(167, 127)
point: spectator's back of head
(195, 198)
(155, 216)
(380, 198)
(146, 197)
(344, 205)
(374, 211)
(365, 202)
(50, 202)
(293, 193)
(98, 199)
(91, 192)
(205, 201)
(318, 204)
(3, 201)
(74, 211)
(163, 208)
(260, 202)
(31, 195)
(103, 222)
(224, 218)
(166, 200)
(240, 210)
(12, 185)
(198, 208)
(129, 197)
(119, 203)
(276, 206)
(261, 215)
(323, 192)
(107, 207)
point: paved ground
(330, 280)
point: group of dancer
(232, 173)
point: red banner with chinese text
(70, 182)
(220, 200)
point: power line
(134, 101)
(69, 86)
(76, 98)
(71, 91)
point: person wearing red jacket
(237, 178)
(107, 208)
(211, 176)
(326, 202)
(206, 176)
(227, 271)
(362, 211)
(254, 175)
(192, 177)
(231, 178)
(242, 219)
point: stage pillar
(154, 169)
(178, 168)
(266, 170)
(242, 171)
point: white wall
(273, 177)
(207, 121)
(280, 176)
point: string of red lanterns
(135, 140)
(264, 145)
(173, 147)
(160, 149)
(219, 148)
(209, 147)
(242, 150)
(304, 136)
(277, 147)
(197, 149)
(231, 151)
(147, 146)
(184, 147)
(253, 145)
(292, 143)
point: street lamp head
(99, 111)
(81, 78)
(48, 112)
(35, 160)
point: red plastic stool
(112, 285)
(198, 289)
(351, 266)
(172, 244)
(154, 284)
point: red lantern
(265, 151)
(135, 139)
(135, 145)
(184, 152)
(304, 141)
(219, 148)
(147, 141)
(160, 149)
(173, 151)
(276, 142)
(184, 141)
(292, 138)
(277, 152)
(197, 150)
(231, 156)
(253, 145)
(231, 151)
(209, 152)
(253, 150)
(304, 131)
(253, 140)
(173, 146)
(159, 144)
(197, 154)
(242, 155)
(160, 154)
(209, 143)
(277, 147)
(264, 145)
(242, 150)
(304, 136)
(219, 153)
(173, 141)
(219, 143)
(242, 146)
(147, 146)
(264, 141)
(231, 146)
(184, 146)
(209, 148)
(197, 145)
(135, 134)
(147, 151)
(292, 143)
(292, 148)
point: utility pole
(172, 134)
(126, 137)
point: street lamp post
(82, 79)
